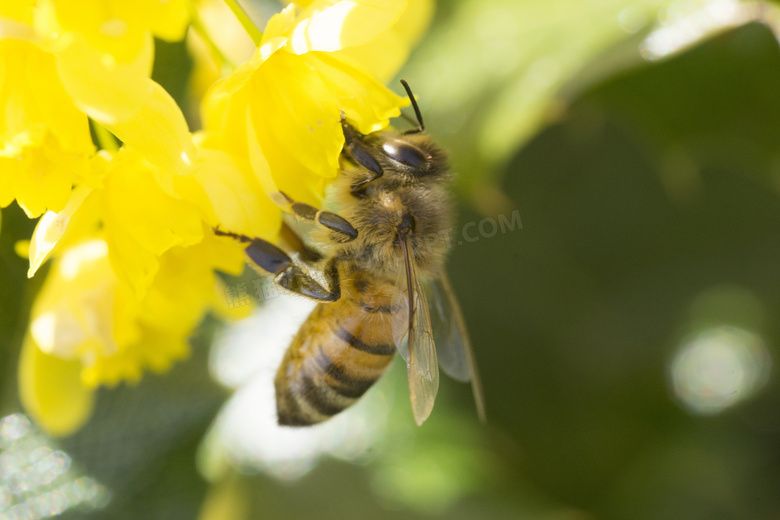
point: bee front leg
(345, 231)
(353, 145)
(286, 273)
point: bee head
(406, 154)
(412, 152)
(391, 158)
(412, 156)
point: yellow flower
(240, 204)
(393, 45)
(279, 112)
(62, 59)
(17, 11)
(104, 51)
(88, 328)
(134, 274)
(142, 210)
(44, 139)
(134, 258)
(116, 28)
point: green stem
(249, 26)
(106, 139)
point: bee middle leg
(339, 225)
(286, 273)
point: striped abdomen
(339, 352)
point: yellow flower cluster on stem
(128, 229)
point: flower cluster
(128, 229)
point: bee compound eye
(406, 154)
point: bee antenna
(421, 128)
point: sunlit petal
(304, 139)
(51, 391)
(44, 139)
(113, 27)
(141, 221)
(239, 202)
(18, 10)
(51, 228)
(123, 99)
(393, 44)
(343, 24)
(280, 112)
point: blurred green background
(625, 334)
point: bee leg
(330, 220)
(237, 236)
(287, 275)
(354, 146)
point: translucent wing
(414, 340)
(448, 332)
(453, 346)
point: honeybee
(382, 261)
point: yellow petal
(181, 293)
(73, 310)
(18, 10)
(39, 180)
(155, 350)
(223, 31)
(97, 21)
(169, 18)
(113, 27)
(298, 128)
(369, 104)
(141, 221)
(133, 107)
(343, 24)
(282, 109)
(240, 203)
(51, 391)
(22, 248)
(281, 24)
(31, 93)
(298, 117)
(183, 290)
(44, 139)
(224, 118)
(244, 72)
(56, 108)
(51, 228)
(392, 45)
(137, 205)
(133, 264)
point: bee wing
(414, 339)
(448, 332)
(452, 340)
